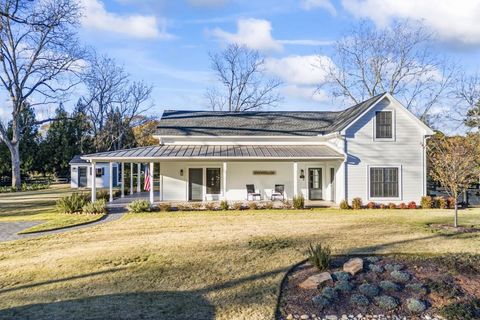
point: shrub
(268, 205)
(359, 300)
(224, 205)
(97, 207)
(344, 205)
(386, 302)
(298, 202)
(402, 206)
(375, 268)
(393, 267)
(341, 276)
(330, 293)
(210, 206)
(464, 310)
(252, 205)
(400, 276)
(165, 207)
(445, 288)
(371, 205)
(73, 203)
(415, 305)
(426, 202)
(451, 203)
(392, 205)
(412, 205)
(319, 256)
(372, 259)
(138, 206)
(368, 289)
(441, 203)
(320, 301)
(357, 203)
(416, 288)
(237, 205)
(344, 286)
(383, 206)
(287, 204)
(103, 194)
(184, 207)
(389, 286)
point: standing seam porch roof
(220, 152)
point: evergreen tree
(472, 119)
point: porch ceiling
(218, 152)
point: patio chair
(279, 192)
(251, 192)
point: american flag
(146, 185)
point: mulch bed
(459, 229)
(442, 288)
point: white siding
(405, 151)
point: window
(384, 182)
(213, 180)
(383, 125)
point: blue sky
(166, 42)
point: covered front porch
(209, 173)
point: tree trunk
(15, 155)
(456, 214)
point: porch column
(123, 179)
(110, 178)
(160, 181)
(139, 176)
(151, 181)
(224, 180)
(131, 178)
(295, 181)
(93, 183)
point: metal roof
(259, 123)
(178, 152)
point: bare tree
(399, 60)
(39, 52)
(466, 96)
(454, 164)
(113, 102)
(243, 86)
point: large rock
(314, 281)
(353, 266)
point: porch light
(181, 172)
(302, 174)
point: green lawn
(199, 265)
(40, 205)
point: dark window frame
(384, 125)
(384, 182)
(213, 183)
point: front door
(82, 177)
(315, 184)
(195, 184)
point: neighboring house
(81, 174)
(374, 150)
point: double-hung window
(213, 180)
(384, 125)
(384, 182)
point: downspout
(424, 155)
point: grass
(40, 205)
(200, 265)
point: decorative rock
(331, 317)
(369, 289)
(304, 317)
(353, 266)
(314, 281)
(341, 275)
(290, 316)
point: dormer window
(384, 125)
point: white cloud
(253, 33)
(453, 21)
(307, 93)
(134, 25)
(324, 4)
(301, 70)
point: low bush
(97, 207)
(368, 289)
(138, 206)
(441, 203)
(320, 301)
(393, 267)
(416, 306)
(392, 205)
(389, 286)
(268, 205)
(383, 206)
(287, 205)
(357, 203)
(210, 206)
(26, 187)
(386, 302)
(298, 202)
(73, 203)
(412, 205)
(375, 268)
(237, 205)
(103, 194)
(400, 276)
(330, 293)
(224, 205)
(416, 288)
(445, 288)
(341, 276)
(344, 205)
(451, 203)
(344, 286)
(426, 202)
(320, 256)
(402, 206)
(464, 310)
(252, 205)
(165, 207)
(184, 207)
(371, 205)
(359, 300)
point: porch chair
(251, 192)
(279, 192)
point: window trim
(394, 127)
(400, 183)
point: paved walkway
(8, 230)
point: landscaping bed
(384, 288)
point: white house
(374, 150)
(81, 174)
